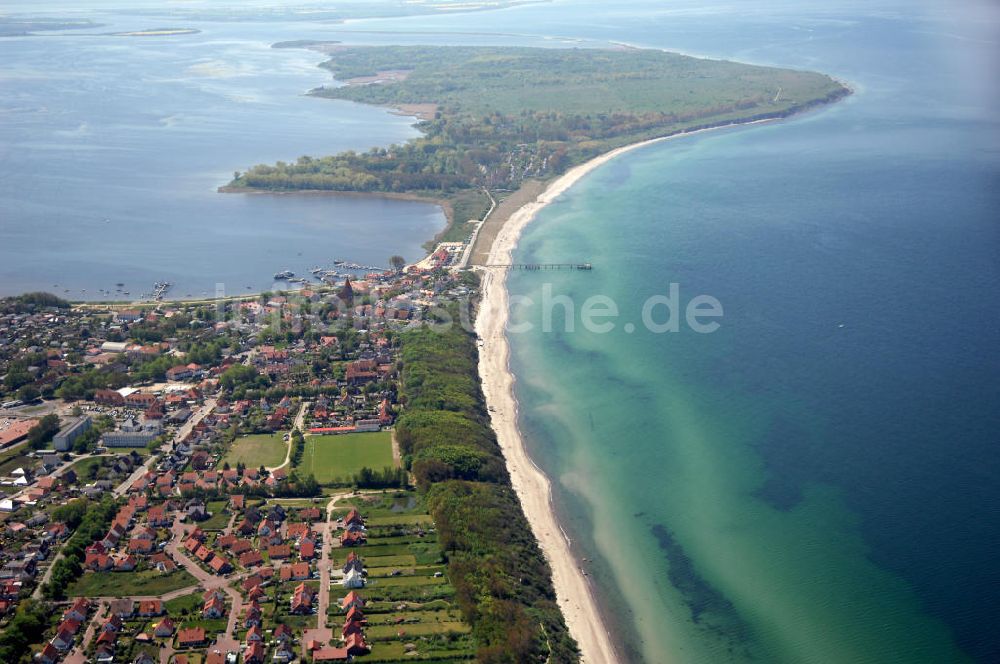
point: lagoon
(112, 147)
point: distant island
(156, 32)
(22, 26)
(494, 119)
(312, 44)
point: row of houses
(352, 633)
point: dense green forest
(29, 302)
(503, 582)
(498, 116)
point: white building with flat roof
(73, 429)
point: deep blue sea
(816, 481)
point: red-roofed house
(220, 565)
(279, 552)
(191, 637)
(164, 628)
(330, 655)
(254, 654)
(150, 607)
(352, 600)
(215, 607)
(48, 655)
(302, 600)
(296, 572)
(77, 610)
(251, 558)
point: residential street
(208, 581)
(77, 656)
(181, 434)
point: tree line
(503, 583)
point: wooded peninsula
(492, 118)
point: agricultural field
(257, 450)
(335, 459)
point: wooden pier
(543, 266)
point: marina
(341, 270)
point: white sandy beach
(573, 591)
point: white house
(353, 579)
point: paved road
(208, 581)
(37, 593)
(181, 434)
(325, 564)
(322, 632)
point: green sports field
(257, 450)
(337, 458)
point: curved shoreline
(574, 593)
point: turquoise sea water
(817, 481)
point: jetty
(543, 266)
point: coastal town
(205, 483)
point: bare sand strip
(573, 591)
